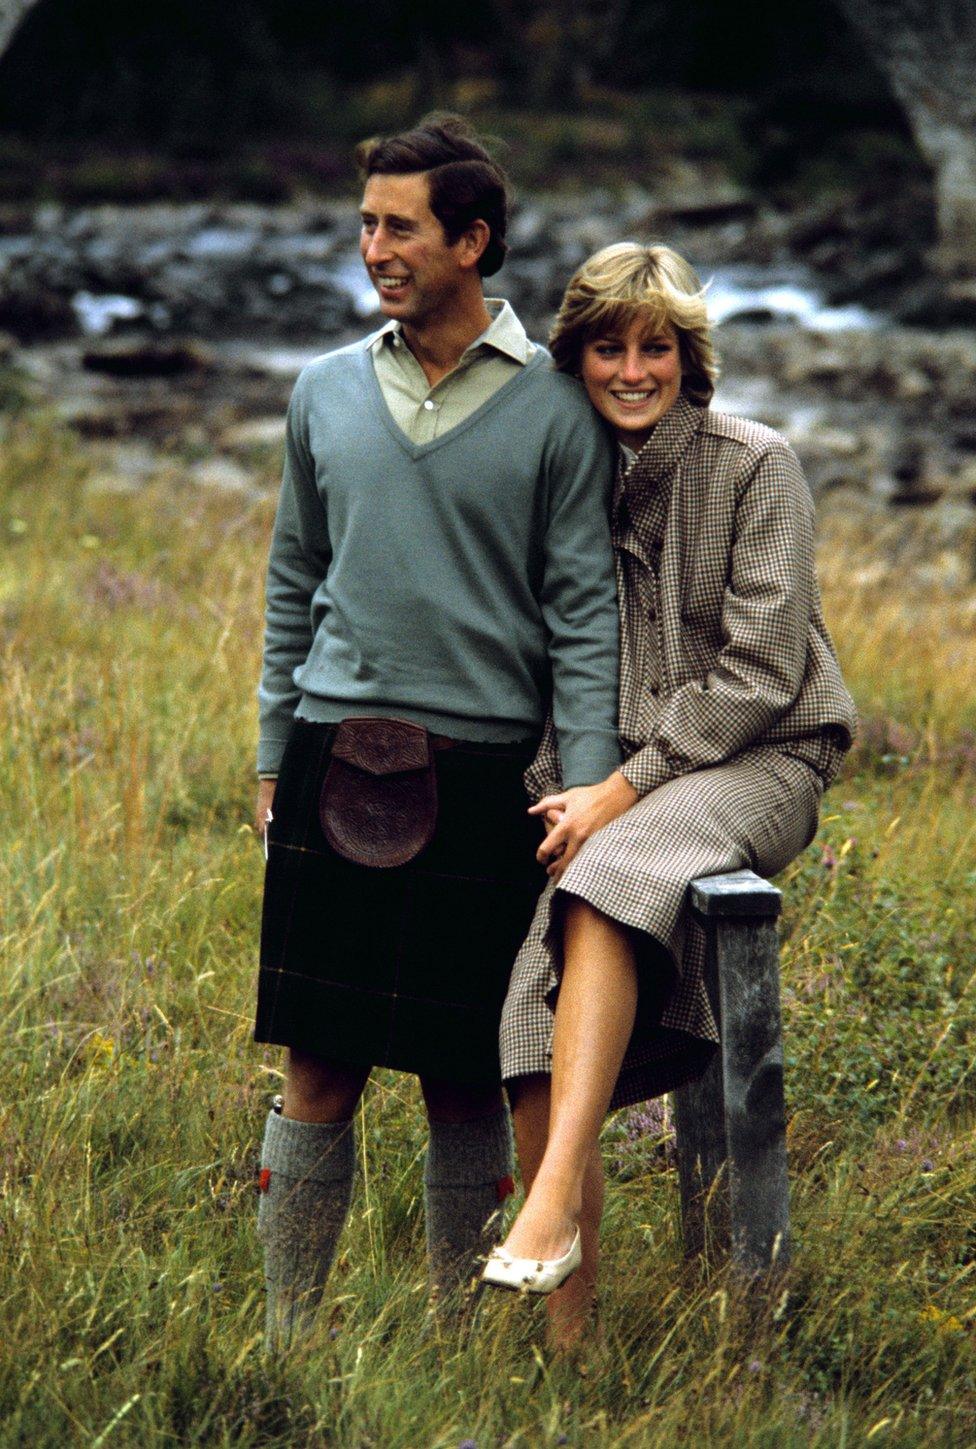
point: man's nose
(376, 248)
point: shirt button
(429, 405)
(655, 690)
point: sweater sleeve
(578, 598)
(300, 555)
(759, 669)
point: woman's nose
(632, 367)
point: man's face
(415, 270)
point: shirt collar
(504, 333)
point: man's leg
(307, 1165)
(467, 1176)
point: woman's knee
(589, 933)
(580, 915)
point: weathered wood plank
(739, 893)
(747, 953)
(735, 1111)
(699, 1123)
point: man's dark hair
(466, 185)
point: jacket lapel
(654, 479)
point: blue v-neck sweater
(465, 583)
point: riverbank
(167, 338)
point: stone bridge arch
(12, 13)
(927, 51)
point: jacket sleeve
(299, 561)
(758, 671)
(578, 597)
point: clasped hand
(572, 816)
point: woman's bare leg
(594, 1018)
(572, 1307)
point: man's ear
(472, 242)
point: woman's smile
(632, 378)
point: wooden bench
(733, 1116)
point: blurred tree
(928, 50)
(550, 51)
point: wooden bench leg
(735, 1112)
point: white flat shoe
(531, 1275)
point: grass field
(132, 1098)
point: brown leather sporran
(378, 805)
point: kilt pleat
(404, 967)
(759, 811)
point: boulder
(139, 357)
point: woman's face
(632, 378)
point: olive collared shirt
(424, 412)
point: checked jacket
(733, 717)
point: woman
(733, 719)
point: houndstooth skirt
(758, 810)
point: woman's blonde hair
(654, 283)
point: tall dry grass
(132, 1097)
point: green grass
(133, 1099)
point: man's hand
(266, 791)
(572, 816)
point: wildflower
(945, 1323)
(827, 858)
(755, 1366)
(468, 1444)
(101, 1049)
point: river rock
(221, 473)
(255, 433)
(142, 358)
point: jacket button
(655, 690)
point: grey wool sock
(305, 1186)
(467, 1177)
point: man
(440, 575)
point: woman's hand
(583, 811)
